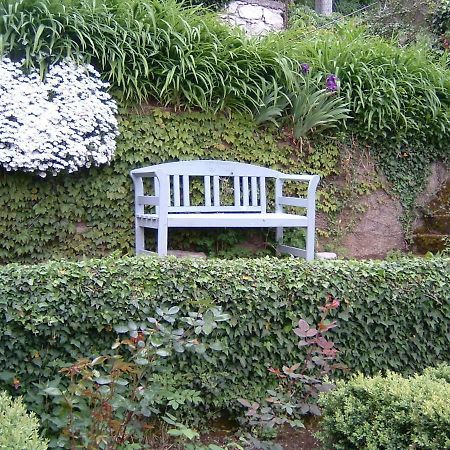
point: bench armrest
(142, 173)
(306, 178)
(161, 185)
(309, 202)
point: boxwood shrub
(393, 315)
(389, 412)
(19, 430)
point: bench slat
(211, 209)
(207, 191)
(254, 181)
(186, 201)
(216, 194)
(245, 198)
(237, 191)
(176, 190)
(148, 200)
(262, 194)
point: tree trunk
(324, 7)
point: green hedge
(394, 315)
(389, 413)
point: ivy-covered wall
(90, 213)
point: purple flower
(304, 68)
(332, 83)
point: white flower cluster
(61, 124)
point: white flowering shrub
(61, 124)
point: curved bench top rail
(207, 167)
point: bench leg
(140, 239)
(310, 243)
(279, 237)
(162, 241)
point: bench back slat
(176, 190)
(237, 191)
(254, 182)
(207, 184)
(186, 196)
(216, 190)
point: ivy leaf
(52, 391)
(121, 329)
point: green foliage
(315, 109)
(405, 20)
(149, 49)
(299, 386)
(52, 314)
(395, 93)
(18, 429)
(91, 213)
(441, 18)
(310, 108)
(213, 4)
(303, 16)
(388, 413)
(111, 398)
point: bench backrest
(248, 185)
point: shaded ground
(291, 439)
(288, 438)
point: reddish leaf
(324, 343)
(311, 332)
(303, 325)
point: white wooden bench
(171, 206)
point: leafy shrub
(441, 17)
(18, 429)
(65, 123)
(147, 49)
(405, 20)
(299, 385)
(395, 94)
(388, 413)
(315, 105)
(53, 314)
(111, 398)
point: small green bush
(396, 94)
(18, 429)
(389, 413)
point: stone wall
(256, 17)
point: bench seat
(226, 220)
